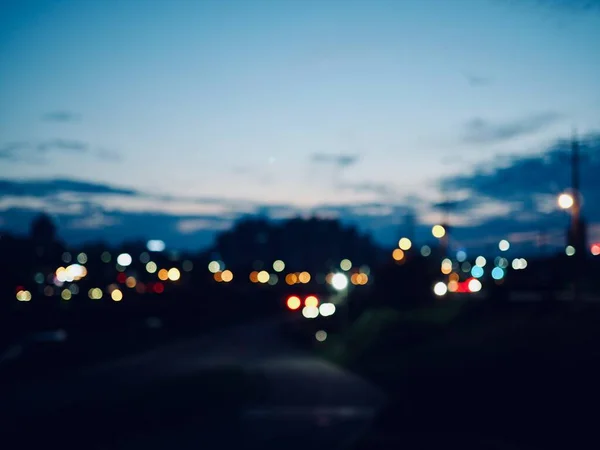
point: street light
(565, 201)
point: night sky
(170, 119)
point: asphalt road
(309, 402)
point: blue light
(477, 271)
(461, 256)
(497, 273)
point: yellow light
(174, 274)
(346, 264)
(24, 296)
(130, 282)
(151, 267)
(163, 274)
(254, 276)
(227, 276)
(263, 276)
(214, 266)
(354, 279)
(311, 301)
(217, 277)
(398, 254)
(116, 295)
(291, 278)
(404, 244)
(446, 266)
(66, 294)
(304, 277)
(565, 201)
(454, 277)
(438, 231)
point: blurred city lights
(346, 265)
(425, 250)
(217, 277)
(293, 302)
(66, 294)
(480, 261)
(82, 258)
(291, 278)
(339, 281)
(477, 271)
(321, 335)
(273, 279)
(569, 250)
(311, 301)
(497, 273)
(446, 266)
(304, 277)
(144, 257)
(214, 266)
(438, 231)
(105, 257)
(151, 267)
(440, 288)
(116, 295)
(310, 312)
(174, 274)
(66, 257)
(95, 293)
(474, 285)
(503, 245)
(452, 286)
(24, 296)
(327, 309)
(595, 249)
(155, 245)
(565, 201)
(278, 266)
(461, 255)
(163, 275)
(263, 276)
(465, 267)
(124, 259)
(226, 276)
(187, 265)
(404, 244)
(398, 254)
(130, 282)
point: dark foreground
(243, 386)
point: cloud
(527, 187)
(477, 80)
(43, 188)
(97, 221)
(481, 131)
(189, 226)
(61, 116)
(337, 160)
(382, 189)
(62, 145)
(13, 150)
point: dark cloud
(457, 205)
(481, 131)
(43, 188)
(477, 80)
(338, 160)
(524, 180)
(62, 145)
(61, 116)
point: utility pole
(576, 235)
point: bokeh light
(124, 259)
(227, 276)
(565, 201)
(214, 266)
(405, 243)
(339, 281)
(346, 265)
(440, 288)
(398, 254)
(321, 335)
(425, 250)
(503, 245)
(116, 295)
(174, 274)
(263, 276)
(311, 301)
(438, 231)
(151, 267)
(569, 250)
(327, 309)
(278, 265)
(293, 302)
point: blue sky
(212, 109)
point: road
(309, 402)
